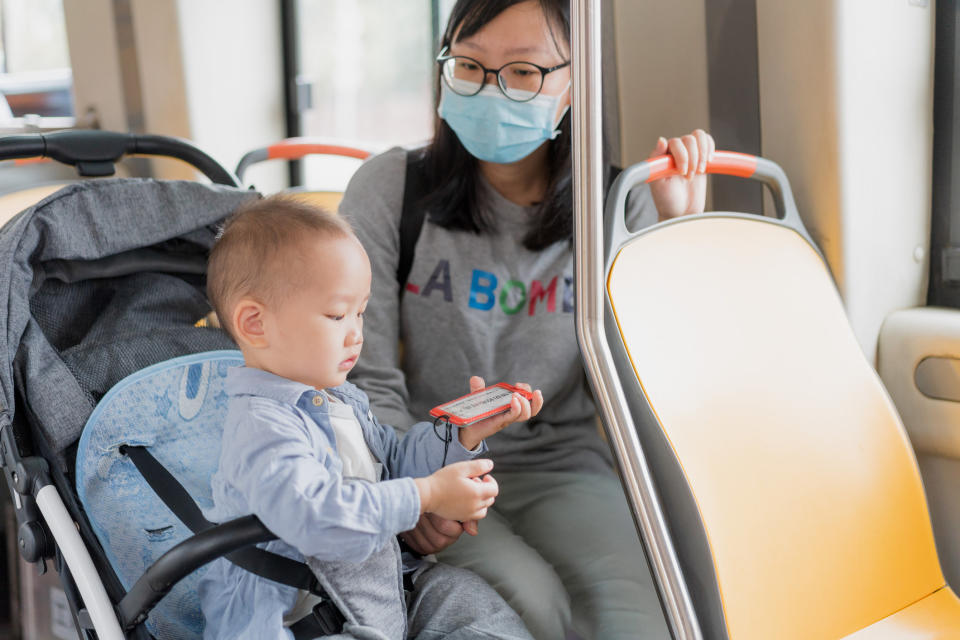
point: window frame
(296, 96)
(944, 287)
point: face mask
(495, 128)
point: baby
(303, 452)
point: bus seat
(788, 484)
(918, 358)
(297, 149)
(16, 201)
(329, 200)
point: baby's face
(316, 333)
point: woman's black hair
(453, 194)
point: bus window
(365, 76)
(35, 77)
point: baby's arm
(272, 461)
(459, 491)
(422, 450)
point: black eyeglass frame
(442, 59)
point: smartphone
(479, 405)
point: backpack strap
(411, 215)
(614, 172)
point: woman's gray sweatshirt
(475, 304)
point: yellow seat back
(329, 200)
(786, 475)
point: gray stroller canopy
(101, 279)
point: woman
(491, 289)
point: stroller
(104, 282)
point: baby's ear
(248, 329)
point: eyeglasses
(519, 81)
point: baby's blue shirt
(278, 460)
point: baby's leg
(453, 603)
(369, 594)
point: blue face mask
(495, 128)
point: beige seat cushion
(13, 203)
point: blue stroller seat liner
(175, 408)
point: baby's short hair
(258, 242)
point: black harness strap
(326, 618)
(411, 216)
(167, 488)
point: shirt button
(317, 400)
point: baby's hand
(521, 410)
(459, 491)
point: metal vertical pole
(589, 277)
(290, 41)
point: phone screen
(477, 404)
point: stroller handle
(94, 153)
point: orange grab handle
(294, 149)
(728, 163)
(35, 160)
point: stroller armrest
(184, 559)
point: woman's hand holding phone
(521, 410)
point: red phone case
(448, 410)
